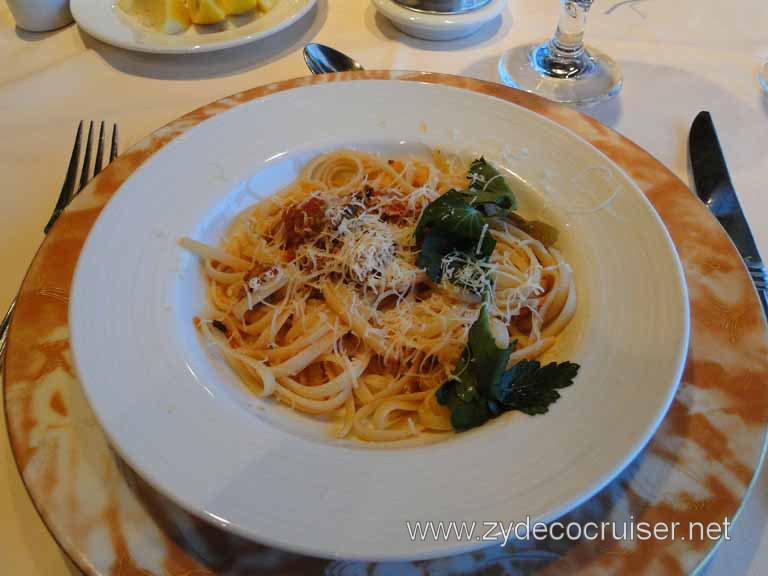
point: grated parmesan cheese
(468, 273)
(478, 248)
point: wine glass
(764, 76)
(563, 69)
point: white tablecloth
(678, 57)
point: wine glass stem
(564, 55)
(569, 36)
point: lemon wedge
(170, 16)
(176, 17)
(206, 11)
(239, 6)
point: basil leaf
(480, 365)
(433, 249)
(464, 415)
(488, 361)
(488, 187)
(537, 229)
(451, 215)
(449, 225)
(486, 248)
(464, 379)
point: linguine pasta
(319, 303)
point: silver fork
(70, 189)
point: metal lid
(443, 6)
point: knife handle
(760, 280)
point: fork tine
(113, 148)
(99, 151)
(85, 173)
(69, 181)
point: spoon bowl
(323, 59)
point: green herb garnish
(488, 189)
(481, 387)
(537, 229)
(455, 229)
(458, 221)
(531, 388)
(450, 224)
(434, 248)
(452, 216)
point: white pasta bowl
(180, 417)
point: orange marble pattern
(697, 468)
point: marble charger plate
(698, 467)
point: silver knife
(714, 188)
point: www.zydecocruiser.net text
(503, 532)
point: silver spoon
(323, 59)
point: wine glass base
(600, 81)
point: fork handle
(4, 325)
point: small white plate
(433, 26)
(181, 418)
(105, 21)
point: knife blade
(715, 189)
